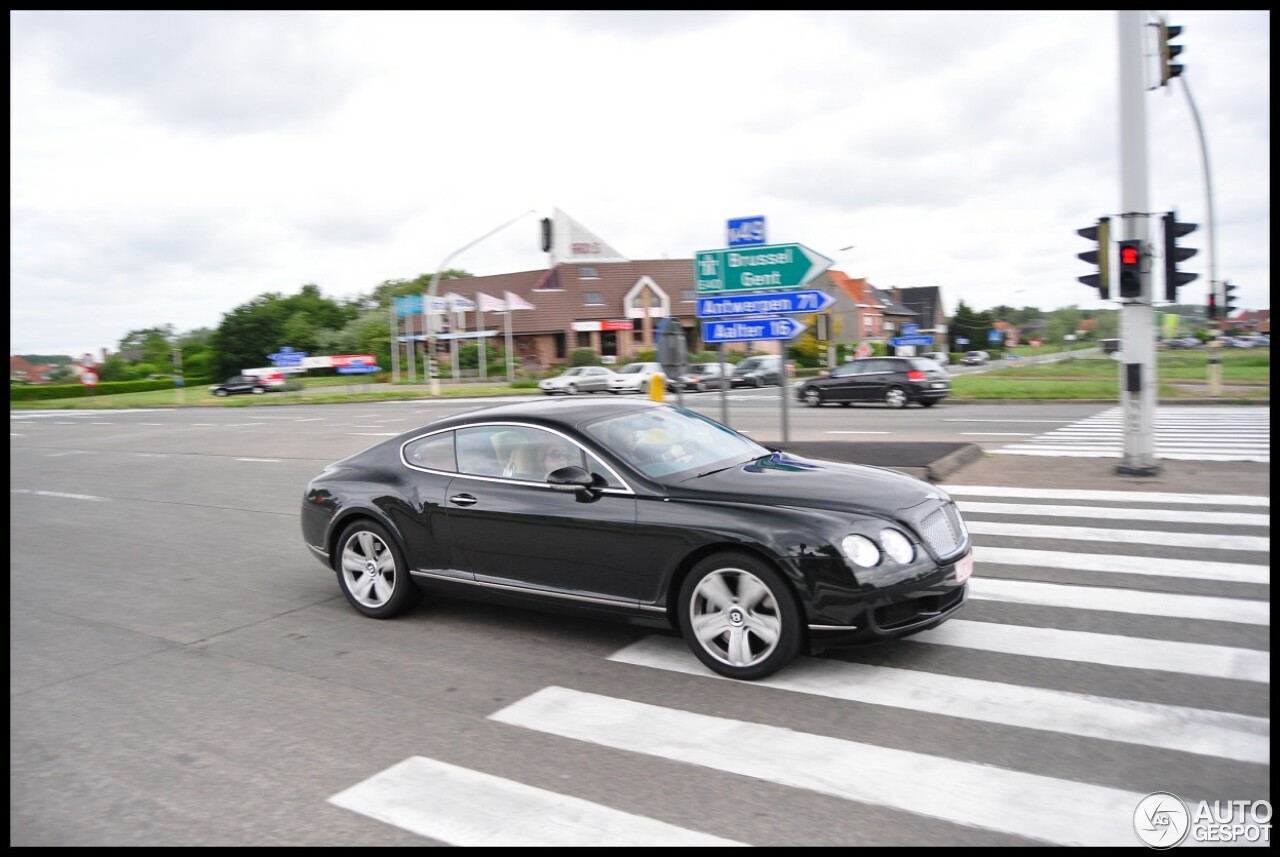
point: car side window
(524, 453)
(435, 452)
(845, 370)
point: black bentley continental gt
(648, 513)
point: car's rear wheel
(813, 397)
(739, 617)
(896, 397)
(257, 391)
(373, 573)
(758, 382)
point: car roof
(560, 411)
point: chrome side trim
(526, 590)
(833, 627)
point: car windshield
(671, 442)
(631, 369)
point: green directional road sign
(758, 268)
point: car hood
(786, 480)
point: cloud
(167, 167)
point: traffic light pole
(1138, 367)
(1215, 345)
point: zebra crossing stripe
(1109, 649)
(1149, 724)
(1038, 807)
(461, 807)
(1225, 541)
(1187, 569)
(1207, 607)
(1239, 519)
(1107, 496)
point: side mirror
(575, 480)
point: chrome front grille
(943, 530)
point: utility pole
(1137, 321)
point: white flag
(514, 301)
(488, 303)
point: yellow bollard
(657, 388)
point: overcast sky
(166, 167)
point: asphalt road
(183, 673)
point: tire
(896, 397)
(221, 394)
(700, 387)
(258, 391)
(813, 397)
(739, 617)
(373, 573)
(758, 382)
(571, 390)
(928, 403)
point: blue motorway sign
(994, 336)
(909, 329)
(287, 357)
(752, 329)
(810, 300)
(746, 230)
(357, 369)
(911, 340)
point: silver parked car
(579, 379)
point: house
(930, 315)
(22, 371)
(593, 297)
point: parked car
(635, 377)
(579, 379)
(644, 512)
(240, 384)
(940, 357)
(703, 376)
(896, 381)
(759, 371)
(1182, 342)
(976, 358)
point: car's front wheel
(571, 390)
(759, 382)
(896, 397)
(739, 617)
(257, 391)
(373, 573)
(813, 397)
(220, 393)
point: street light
(431, 299)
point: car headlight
(861, 550)
(897, 546)
(866, 552)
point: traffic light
(1228, 300)
(1211, 312)
(1131, 268)
(1168, 68)
(1100, 256)
(1173, 254)
(546, 234)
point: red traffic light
(1128, 255)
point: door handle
(463, 500)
